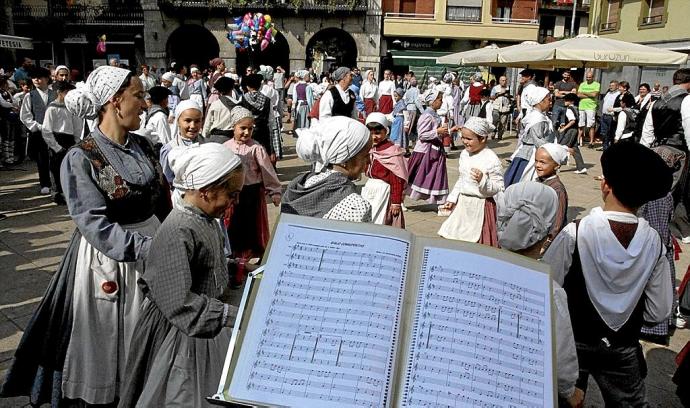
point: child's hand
(276, 199)
(448, 205)
(476, 175)
(395, 209)
(442, 130)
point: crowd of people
(167, 179)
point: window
(653, 13)
(464, 10)
(610, 15)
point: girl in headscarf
(480, 178)
(339, 148)
(471, 100)
(428, 178)
(260, 106)
(248, 224)
(397, 118)
(387, 173)
(189, 120)
(538, 128)
(526, 213)
(74, 349)
(300, 100)
(197, 88)
(369, 92)
(547, 160)
(181, 339)
(219, 69)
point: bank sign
(19, 43)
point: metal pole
(572, 20)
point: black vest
(38, 108)
(668, 125)
(483, 112)
(341, 108)
(588, 326)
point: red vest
(475, 90)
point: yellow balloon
(267, 18)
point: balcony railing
(464, 14)
(508, 20)
(314, 5)
(653, 20)
(414, 16)
(131, 15)
(610, 26)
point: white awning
(19, 43)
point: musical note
(326, 321)
(478, 339)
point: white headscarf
(526, 212)
(558, 152)
(88, 99)
(59, 67)
(535, 94)
(181, 107)
(237, 114)
(334, 140)
(198, 166)
(168, 76)
(381, 119)
(431, 95)
(480, 126)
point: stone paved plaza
(34, 236)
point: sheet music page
(481, 335)
(323, 331)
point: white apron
(466, 221)
(378, 193)
(102, 322)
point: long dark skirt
(248, 226)
(515, 171)
(40, 357)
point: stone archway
(192, 44)
(331, 47)
(277, 54)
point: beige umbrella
(592, 51)
(487, 56)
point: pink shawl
(391, 158)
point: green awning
(416, 58)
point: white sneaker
(583, 171)
(685, 240)
(680, 322)
(45, 191)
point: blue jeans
(604, 130)
(558, 115)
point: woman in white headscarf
(537, 130)
(526, 212)
(189, 120)
(480, 178)
(180, 341)
(369, 92)
(428, 178)
(339, 147)
(74, 350)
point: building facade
(556, 19)
(416, 32)
(319, 33)
(657, 23)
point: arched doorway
(277, 53)
(192, 44)
(331, 47)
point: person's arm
(6, 104)
(566, 353)
(427, 130)
(397, 189)
(162, 128)
(268, 173)
(659, 291)
(560, 253)
(685, 117)
(492, 181)
(27, 117)
(326, 105)
(47, 129)
(210, 119)
(88, 209)
(571, 123)
(168, 283)
(620, 126)
(165, 165)
(647, 138)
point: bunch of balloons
(247, 31)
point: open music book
(360, 315)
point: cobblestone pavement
(34, 236)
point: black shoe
(2, 217)
(59, 199)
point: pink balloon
(264, 44)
